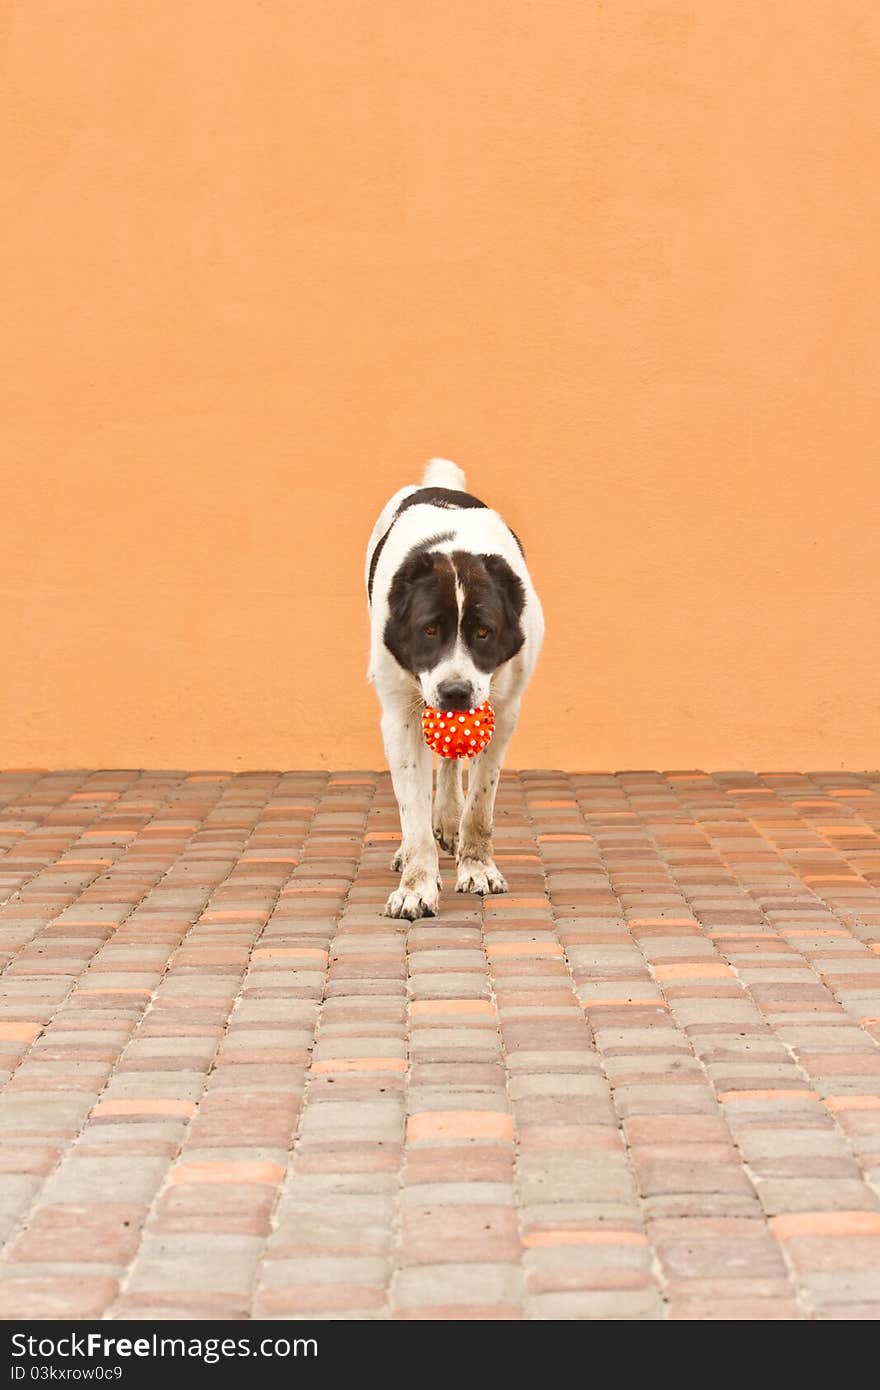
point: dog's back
(439, 474)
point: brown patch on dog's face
(435, 599)
(422, 624)
(493, 602)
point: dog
(454, 620)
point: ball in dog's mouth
(458, 733)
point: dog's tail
(443, 473)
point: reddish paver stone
(644, 1084)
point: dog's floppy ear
(510, 590)
(507, 583)
(415, 567)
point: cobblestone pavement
(644, 1084)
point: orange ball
(458, 733)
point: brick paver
(644, 1084)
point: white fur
(443, 473)
(468, 831)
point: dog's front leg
(411, 773)
(448, 805)
(477, 870)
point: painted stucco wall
(617, 259)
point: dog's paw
(417, 896)
(475, 876)
(397, 860)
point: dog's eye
(430, 629)
(483, 633)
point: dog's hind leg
(411, 773)
(477, 870)
(448, 804)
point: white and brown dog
(454, 621)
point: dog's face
(453, 620)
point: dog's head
(453, 619)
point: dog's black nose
(455, 695)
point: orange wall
(616, 257)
